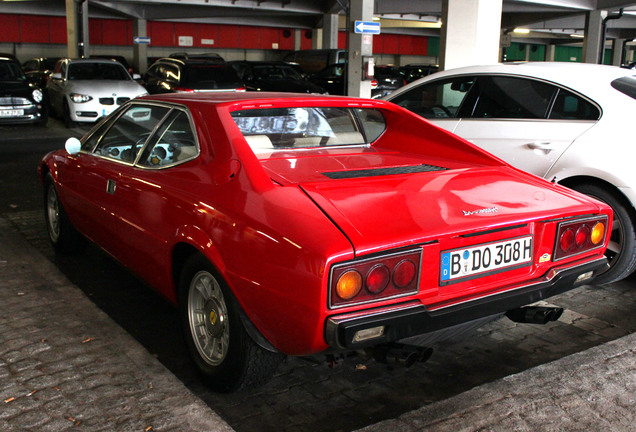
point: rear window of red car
(302, 127)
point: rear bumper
(412, 318)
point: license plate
(486, 258)
(11, 113)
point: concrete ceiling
(548, 19)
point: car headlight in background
(37, 95)
(80, 98)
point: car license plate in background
(485, 258)
(11, 113)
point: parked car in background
(333, 79)
(121, 59)
(169, 75)
(39, 69)
(314, 60)
(84, 90)
(388, 79)
(412, 72)
(566, 122)
(273, 76)
(20, 100)
(316, 226)
(210, 57)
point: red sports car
(295, 225)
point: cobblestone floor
(307, 397)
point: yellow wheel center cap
(213, 317)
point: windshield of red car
(278, 128)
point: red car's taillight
(373, 279)
(578, 236)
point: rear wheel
(62, 234)
(224, 353)
(621, 253)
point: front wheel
(224, 353)
(621, 252)
(62, 234)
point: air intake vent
(382, 171)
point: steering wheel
(437, 108)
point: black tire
(63, 236)
(621, 254)
(224, 353)
(66, 116)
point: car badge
(480, 211)
(544, 258)
(114, 94)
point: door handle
(546, 146)
(111, 185)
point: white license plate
(11, 113)
(485, 258)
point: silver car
(84, 90)
(569, 123)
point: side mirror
(136, 77)
(73, 146)
(56, 75)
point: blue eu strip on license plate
(485, 258)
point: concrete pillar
(316, 38)
(298, 34)
(617, 55)
(550, 52)
(140, 51)
(330, 31)
(592, 41)
(470, 32)
(360, 45)
(77, 28)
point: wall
(29, 36)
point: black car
(388, 78)
(332, 79)
(20, 100)
(412, 72)
(274, 76)
(39, 69)
(169, 75)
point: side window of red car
(173, 142)
(128, 134)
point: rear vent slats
(382, 171)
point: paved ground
(65, 365)
(102, 349)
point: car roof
(584, 78)
(261, 99)
(93, 60)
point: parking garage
(87, 344)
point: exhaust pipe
(403, 355)
(535, 314)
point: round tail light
(598, 233)
(582, 234)
(404, 273)
(567, 240)
(349, 285)
(378, 279)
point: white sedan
(84, 90)
(566, 122)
